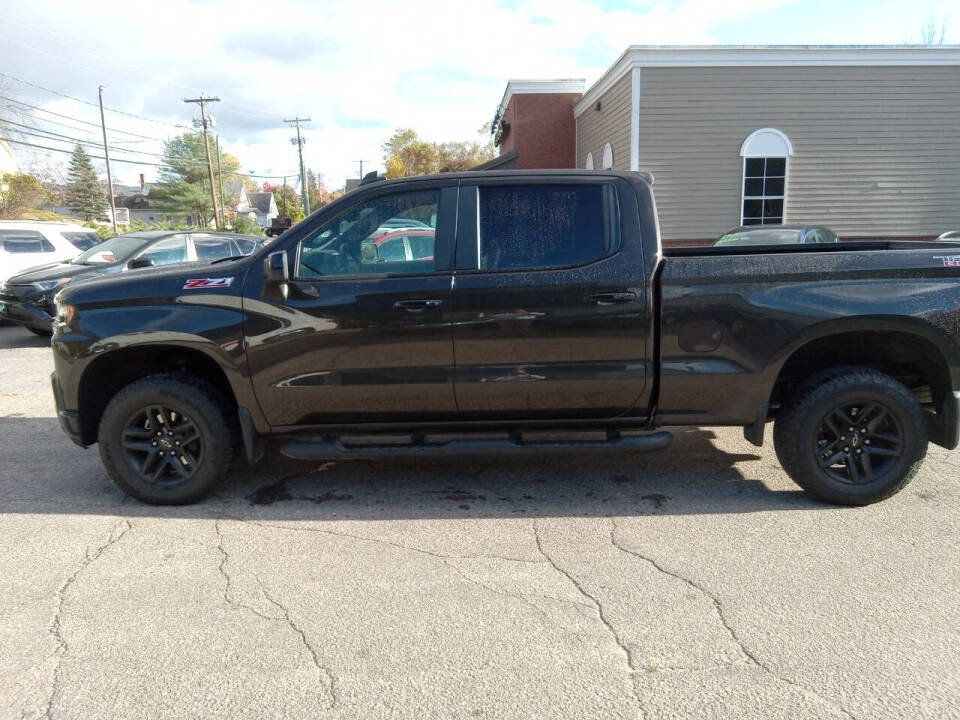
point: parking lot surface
(695, 582)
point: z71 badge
(207, 283)
(948, 260)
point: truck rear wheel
(852, 436)
(166, 439)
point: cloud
(358, 69)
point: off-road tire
(801, 419)
(195, 400)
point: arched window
(765, 154)
(589, 164)
(607, 157)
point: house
(259, 205)
(137, 201)
(863, 139)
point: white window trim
(588, 163)
(786, 181)
(607, 150)
(767, 142)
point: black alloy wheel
(162, 445)
(859, 442)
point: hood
(154, 282)
(53, 271)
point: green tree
(84, 195)
(246, 226)
(405, 153)
(23, 192)
(183, 186)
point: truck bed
(857, 246)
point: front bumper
(26, 314)
(69, 419)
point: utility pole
(361, 166)
(201, 101)
(106, 154)
(299, 141)
(223, 208)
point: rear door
(358, 336)
(550, 316)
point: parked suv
(26, 243)
(27, 298)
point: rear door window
(546, 226)
(213, 247)
(25, 241)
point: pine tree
(84, 194)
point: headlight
(50, 284)
(65, 312)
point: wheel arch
(913, 352)
(110, 372)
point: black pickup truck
(485, 305)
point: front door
(364, 331)
(550, 311)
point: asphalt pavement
(696, 582)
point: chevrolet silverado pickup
(506, 303)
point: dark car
(547, 303)
(27, 298)
(778, 235)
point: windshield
(82, 240)
(117, 249)
(766, 236)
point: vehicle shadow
(695, 476)
(14, 336)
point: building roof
(530, 87)
(260, 201)
(641, 56)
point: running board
(325, 449)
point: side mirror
(275, 269)
(369, 253)
(140, 262)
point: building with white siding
(865, 140)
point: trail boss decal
(207, 283)
(948, 260)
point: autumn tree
(19, 192)
(405, 153)
(84, 195)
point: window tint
(540, 226)
(167, 251)
(368, 239)
(211, 247)
(421, 246)
(764, 184)
(25, 241)
(82, 240)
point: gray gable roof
(260, 201)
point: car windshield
(761, 237)
(82, 240)
(117, 249)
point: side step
(332, 448)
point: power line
(70, 117)
(137, 162)
(92, 104)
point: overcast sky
(361, 68)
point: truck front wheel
(166, 439)
(852, 436)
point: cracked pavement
(696, 582)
